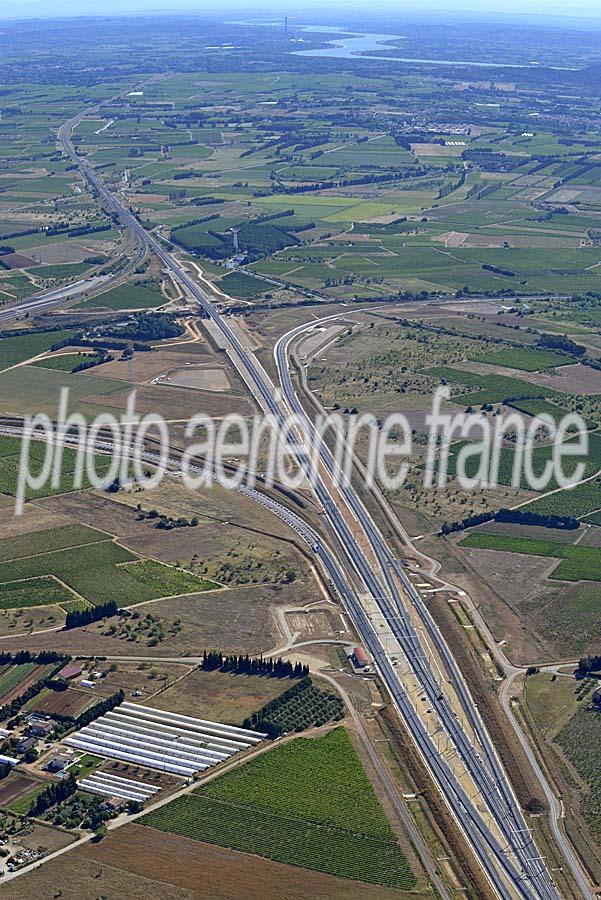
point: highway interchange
(384, 606)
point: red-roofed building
(359, 658)
(69, 672)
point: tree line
(55, 793)
(519, 516)
(588, 664)
(247, 665)
(76, 618)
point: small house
(26, 743)
(41, 727)
(58, 763)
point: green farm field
(14, 350)
(529, 360)
(65, 362)
(297, 804)
(540, 457)
(488, 388)
(580, 740)
(579, 501)
(578, 563)
(239, 284)
(10, 453)
(91, 565)
(127, 296)
(13, 675)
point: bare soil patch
(147, 366)
(522, 645)
(209, 871)
(235, 620)
(35, 518)
(145, 678)
(140, 773)
(17, 260)
(95, 510)
(46, 839)
(198, 379)
(573, 379)
(15, 786)
(509, 574)
(175, 403)
(220, 696)
(317, 624)
(67, 703)
(61, 252)
(438, 149)
(536, 532)
(36, 674)
(81, 878)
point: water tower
(235, 236)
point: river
(350, 47)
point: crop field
(65, 703)
(14, 350)
(579, 740)
(578, 563)
(300, 707)
(11, 676)
(540, 457)
(126, 296)
(10, 452)
(529, 360)
(538, 406)
(489, 388)
(66, 362)
(469, 241)
(15, 787)
(139, 863)
(89, 564)
(167, 581)
(579, 501)
(239, 284)
(297, 804)
(42, 591)
(66, 270)
(50, 539)
(21, 804)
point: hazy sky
(20, 9)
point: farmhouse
(26, 743)
(59, 763)
(41, 727)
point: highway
(487, 772)
(555, 805)
(505, 851)
(55, 297)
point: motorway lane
(493, 787)
(451, 665)
(463, 809)
(55, 297)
